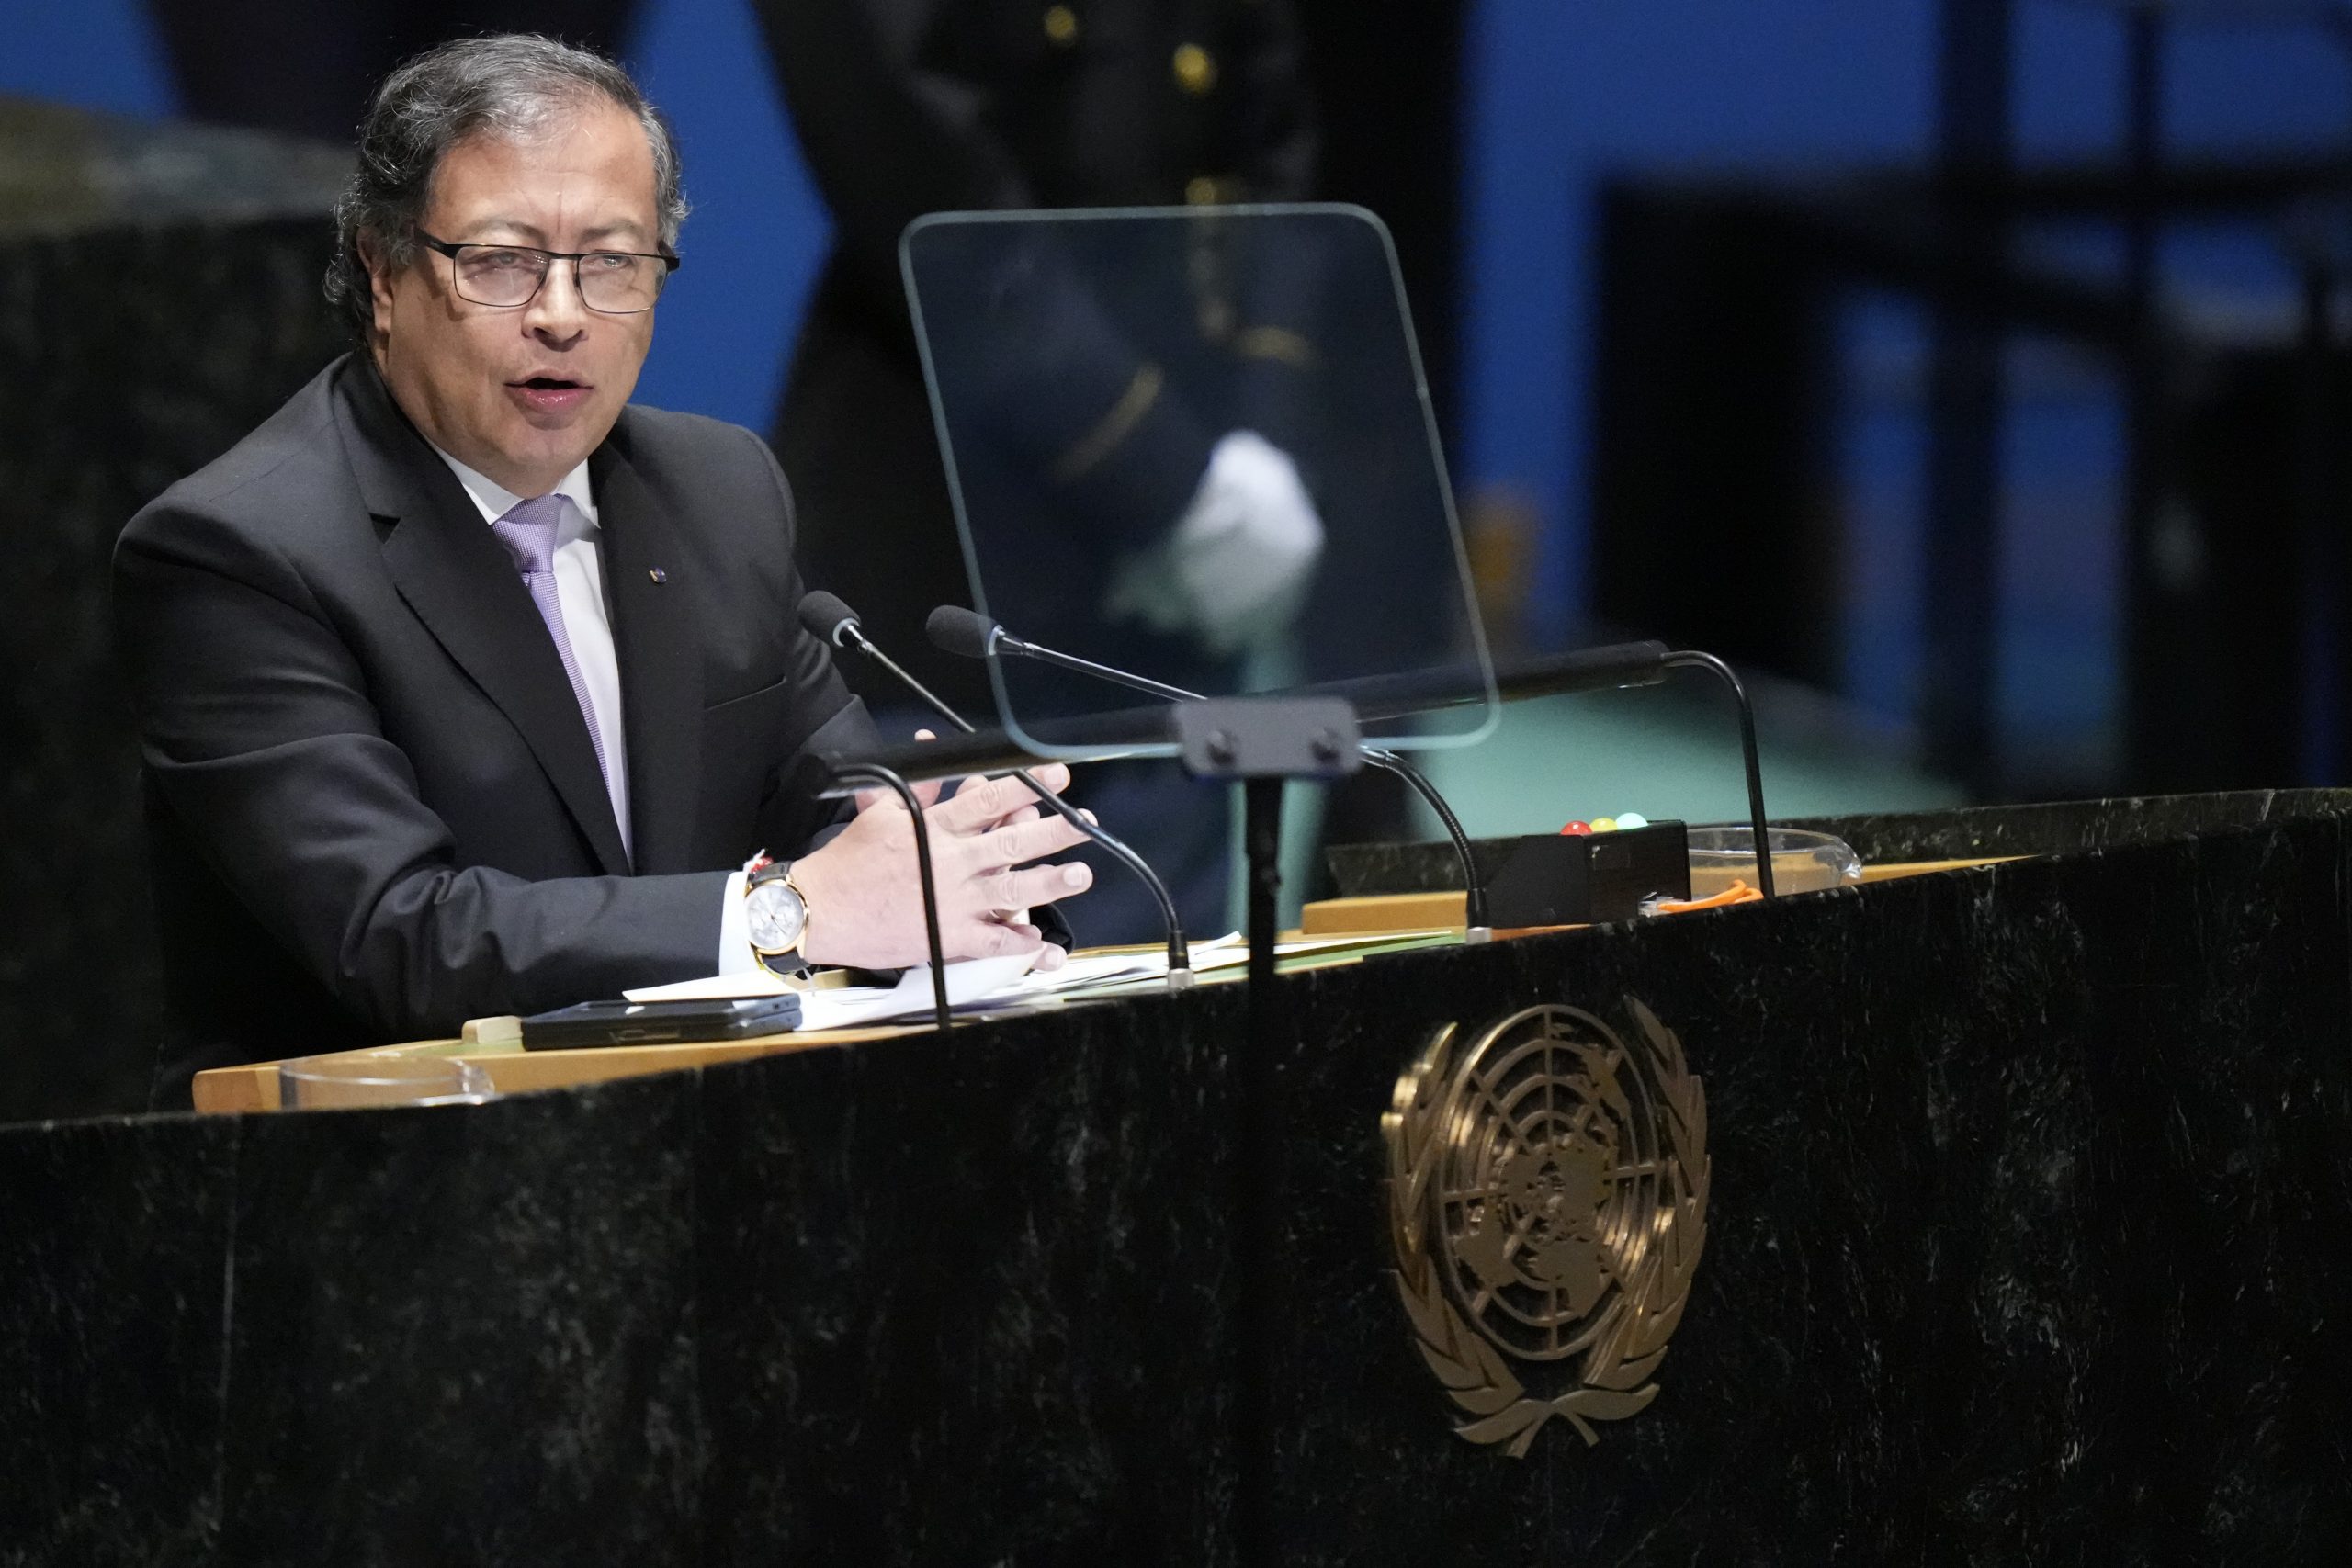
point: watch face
(774, 916)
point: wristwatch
(776, 917)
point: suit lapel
(459, 580)
(660, 658)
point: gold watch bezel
(786, 962)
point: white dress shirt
(588, 626)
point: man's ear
(380, 280)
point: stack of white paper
(983, 983)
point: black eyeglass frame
(669, 264)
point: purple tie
(528, 534)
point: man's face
(522, 394)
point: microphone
(830, 619)
(954, 629)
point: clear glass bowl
(1802, 861)
(379, 1078)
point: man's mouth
(548, 394)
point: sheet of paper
(999, 982)
(716, 988)
(970, 982)
(967, 982)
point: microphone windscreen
(954, 629)
(824, 615)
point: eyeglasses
(615, 283)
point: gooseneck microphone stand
(967, 633)
(871, 773)
(830, 619)
(1691, 659)
(958, 630)
(1477, 927)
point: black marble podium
(2030, 1243)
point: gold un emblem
(1548, 1204)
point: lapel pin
(656, 574)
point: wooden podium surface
(2025, 1194)
(512, 1070)
(255, 1086)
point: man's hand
(866, 896)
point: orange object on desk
(1737, 892)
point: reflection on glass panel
(1195, 443)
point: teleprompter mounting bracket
(1268, 737)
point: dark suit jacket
(374, 808)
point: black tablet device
(658, 1024)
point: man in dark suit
(463, 687)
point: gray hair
(508, 85)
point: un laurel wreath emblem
(1548, 1204)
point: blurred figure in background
(909, 107)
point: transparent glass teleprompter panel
(1196, 443)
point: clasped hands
(866, 896)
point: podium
(2026, 1185)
